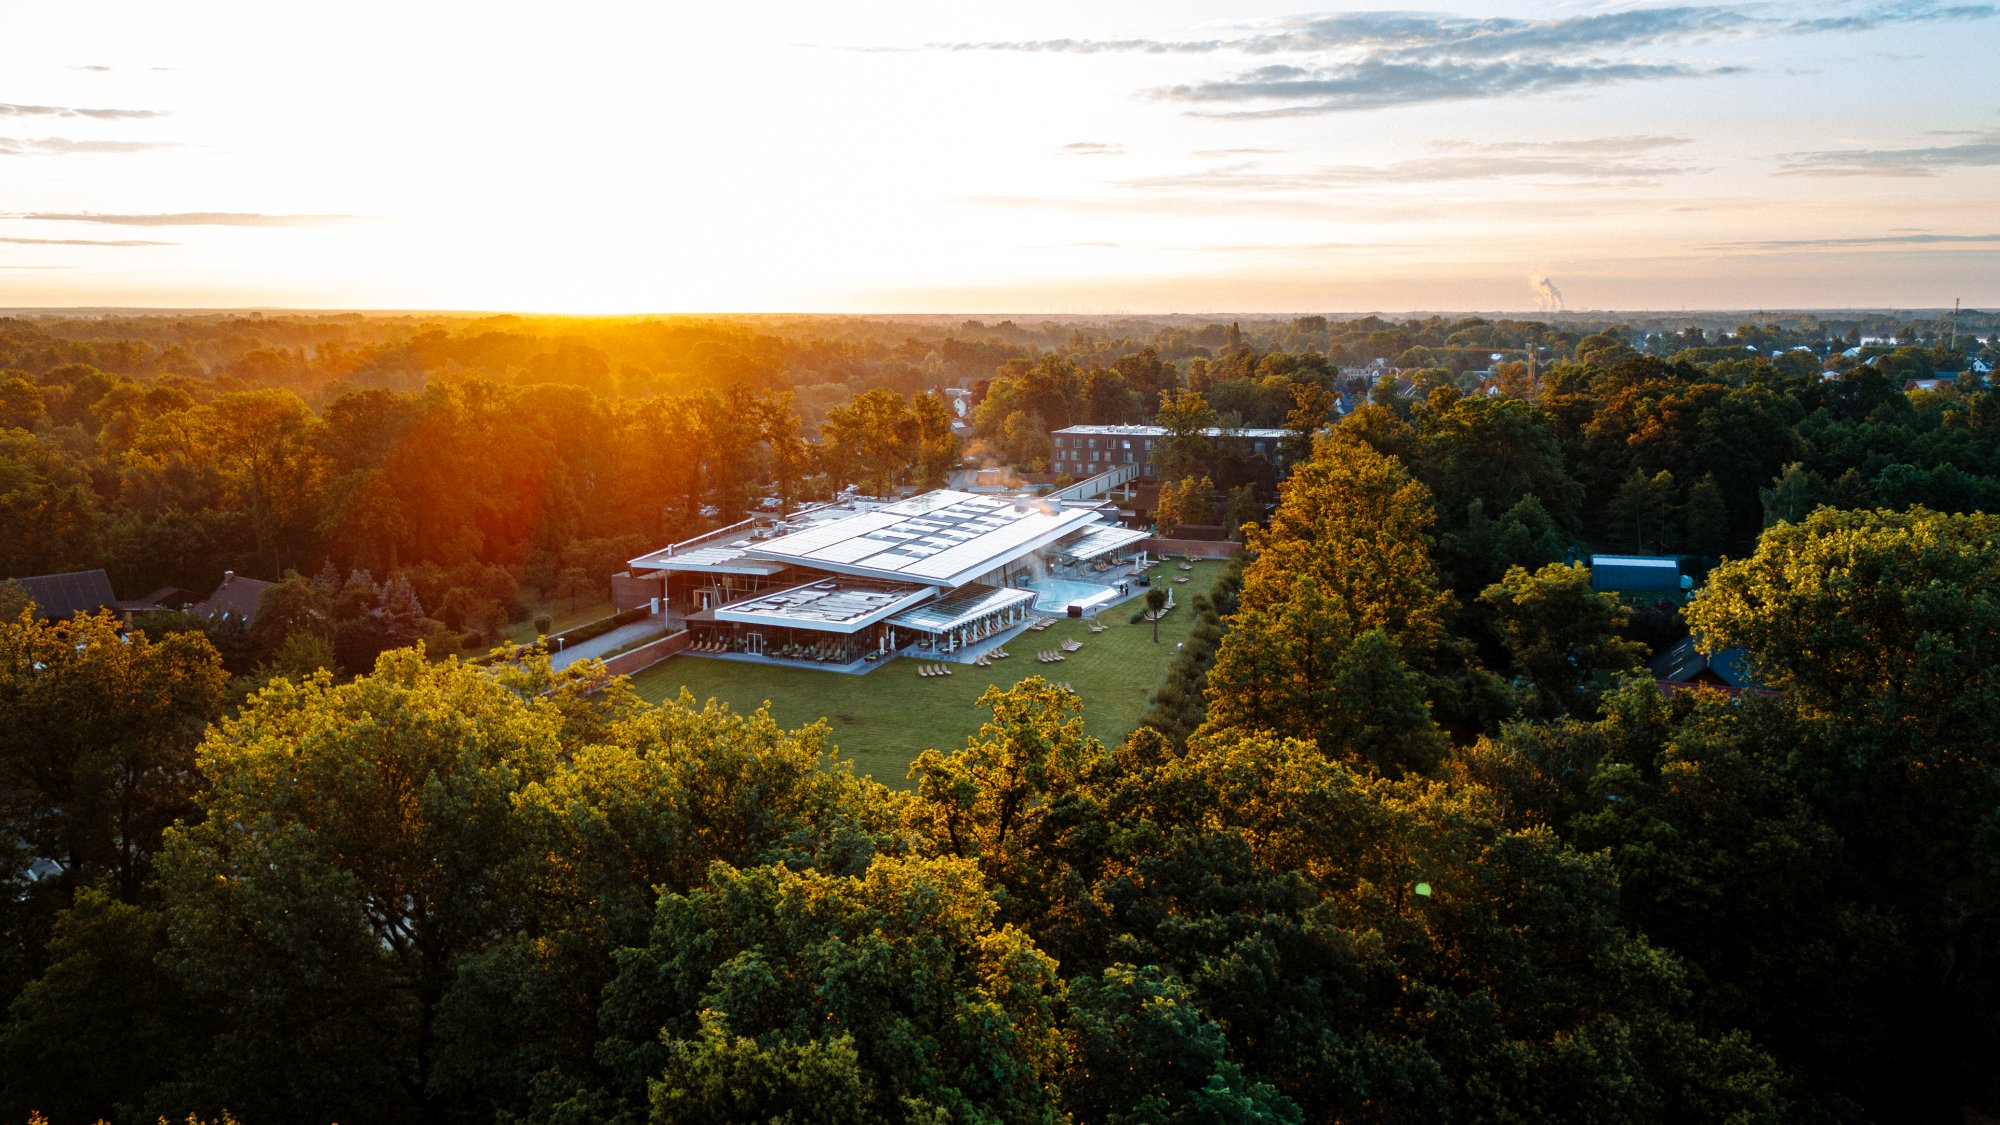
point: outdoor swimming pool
(1056, 595)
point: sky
(1153, 156)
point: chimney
(227, 575)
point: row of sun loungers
(1050, 656)
(1098, 627)
(1072, 645)
(1042, 623)
(987, 660)
(929, 670)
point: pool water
(1056, 595)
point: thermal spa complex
(944, 574)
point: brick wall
(1199, 548)
(647, 655)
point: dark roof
(61, 596)
(237, 599)
(166, 597)
(1683, 663)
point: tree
(1354, 522)
(97, 751)
(872, 440)
(103, 1023)
(981, 802)
(1889, 616)
(937, 444)
(1244, 508)
(1563, 636)
(1156, 606)
(774, 994)
(356, 843)
(1642, 504)
(1793, 495)
(1185, 450)
(1301, 668)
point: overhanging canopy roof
(960, 607)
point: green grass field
(561, 615)
(884, 719)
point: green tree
(891, 996)
(983, 802)
(1793, 495)
(98, 747)
(1156, 605)
(1185, 450)
(356, 842)
(1563, 637)
(872, 440)
(103, 1023)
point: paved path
(603, 646)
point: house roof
(235, 600)
(60, 596)
(1685, 663)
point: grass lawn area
(884, 719)
(523, 632)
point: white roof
(1636, 560)
(1162, 431)
(961, 606)
(832, 605)
(941, 538)
(1103, 540)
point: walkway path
(608, 643)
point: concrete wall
(647, 655)
(1199, 548)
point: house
(1684, 666)
(1635, 573)
(235, 600)
(849, 583)
(1937, 383)
(58, 597)
(1085, 451)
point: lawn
(562, 616)
(884, 719)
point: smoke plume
(1548, 298)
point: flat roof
(1103, 541)
(940, 538)
(1162, 431)
(961, 606)
(830, 605)
(1663, 562)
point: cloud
(1870, 240)
(63, 146)
(187, 219)
(1628, 161)
(83, 242)
(99, 69)
(1351, 61)
(1981, 152)
(1377, 84)
(1415, 34)
(1092, 148)
(10, 110)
